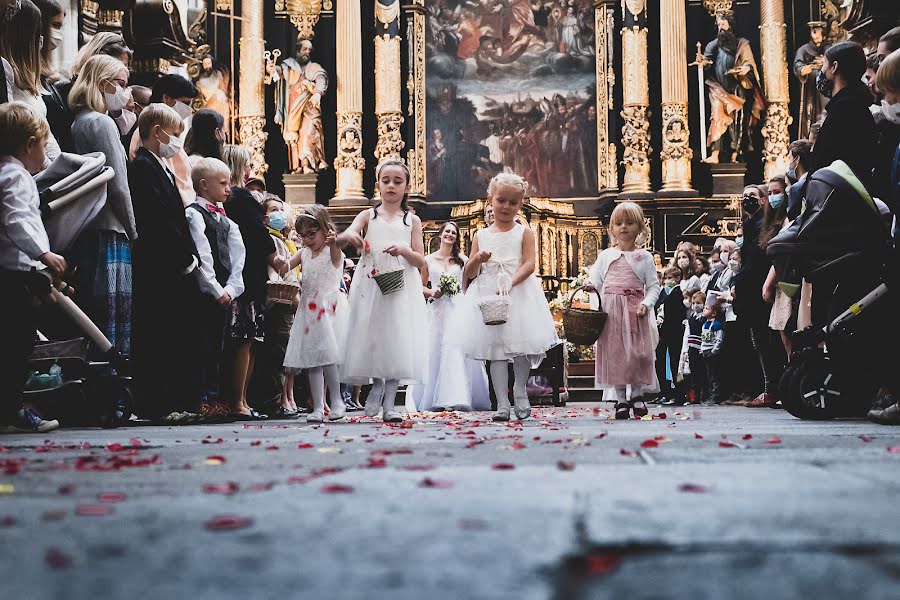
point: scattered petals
(727, 445)
(649, 444)
(57, 559)
(565, 466)
(503, 467)
(337, 488)
(228, 522)
(773, 440)
(697, 436)
(625, 452)
(215, 460)
(428, 482)
(93, 510)
(747, 437)
(111, 497)
(304, 446)
(603, 564)
(865, 439)
(894, 449)
(226, 489)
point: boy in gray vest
(221, 252)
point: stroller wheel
(814, 393)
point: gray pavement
(706, 503)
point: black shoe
(623, 411)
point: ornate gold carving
(588, 248)
(715, 7)
(416, 42)
(774, 63)
(254, 137)
(390, 135)
(304, 14)
(775, 132)
(676, 153)
(280, 6)
(634, 66)
(636, 140)
(727, 227)
(349, 142)
(327, 5)
(603, 99)
(225, 5)
(89, 8)
(387, 14)
(636, 7)
(150, 65)
(773, 46)
(387, 73)
(107, 17)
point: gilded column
(387, 79)
(604, 23)
(415, 87)
(349, 163)
(252, 113)
(775, 77)
(635, 98)
(676, 153)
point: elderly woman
(104, 259)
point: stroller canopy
(72, 190)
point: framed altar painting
(512, 86)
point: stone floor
(708, 503)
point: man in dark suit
(164, 256)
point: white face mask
(184, 111)
(724, 256)
(715, 267)
(683, 263)
(117, 101)
(56, 37)
(891, 112)
(171, 149)
(126, 121)
(734, 265)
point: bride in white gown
(453, 382)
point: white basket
(495, 309)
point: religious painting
(511, 87)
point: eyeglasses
(307, 235)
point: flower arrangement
(448, 285)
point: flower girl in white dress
(386, 336)
(453, 382)
(503, 257)
(320, 325)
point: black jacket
(748, 283)
(59, 115)
(848, 133)
(243, 209)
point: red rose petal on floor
(774, 440)
(261, 487)
(697, 436)
(216, 459)
(271, 447)
(376, 463)
(226, 489)
(602, 564)
(625, 452)
(692, 488)
(894, 449)
(93, 510)
(649, 444)
(565, 466)
(111, 497)
(337, 488)
(747, 437)
(865, 439)
(503, 467)
(228, 522)
(304, 446)
(726, 445)
(57, 559)
(256, 443)
(428, 482)
(418, 468)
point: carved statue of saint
(299, 85)
(735, 96)
(807, 63)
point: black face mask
(824, 85)
(750, 204)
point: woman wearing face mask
(749, 305)
(104, 260)
(782, 318)
(20, 46)
(848, 132)
(888, 82)
(206, 139)
(685, 261)
(52, 19)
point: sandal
(254, 415)
(623, 411)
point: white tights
(319, 377)
(387, 390)
(500, 379)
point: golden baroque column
(635, 98)
(604, 24)
(775, 76)
(676, 153)
(349, 162)
(252, 113)
(387, 80)
(415, 87)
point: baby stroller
(841, 246)
(64, 383)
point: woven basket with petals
(583, 326)
(279, 292)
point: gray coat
(96, 132)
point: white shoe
(523, 408)
(316, 416)
(373, 404)
(502, 414)
(338, 412)
(392, 416)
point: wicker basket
(583, 326)
(494, 310)
(390, 281)
(279, 292)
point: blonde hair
(159, 114)
(510, 180)
(104, 42)
(18, 124)
(19, 45)
(629, 212)
(238, 160)
(207, 168)
(315, 215)
(87, 92)
(888, 77)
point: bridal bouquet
(448, 285)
